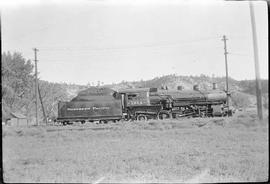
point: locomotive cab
(137, 103)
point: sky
(110, 41)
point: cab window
(132, 96)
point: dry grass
(188, 150)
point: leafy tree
(17, 80)
(18, 88)
(51, 94)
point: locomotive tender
(104, 104)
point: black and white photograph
(134, 91)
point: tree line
(18, 89)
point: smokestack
(180, 88)
(214, 86)
(196, 87)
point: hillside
(204, 82)
(172, 81)
(242, 92)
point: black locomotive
(104, 104)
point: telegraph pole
(226, 65)
(256, 60)
(36, 84)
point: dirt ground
(221, 149)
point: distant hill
(242, 92)
(249, 86)
(172, 81)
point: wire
(240, 54)
(147, 45)
(244, 37)
(119, 55)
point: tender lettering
(87, 108)
(101, 108)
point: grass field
(188, 150)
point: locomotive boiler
(152, 103)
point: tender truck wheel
(103, 121)
(141, 117)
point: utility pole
(36, 84)
(256, 60)
(42, 106)
(226, 65)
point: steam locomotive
(104, 104)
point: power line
(118, 55)
(89, 53)
(147, 45)
(243, 37)
(240, 54)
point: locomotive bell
(214, 85)
(196, 87)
